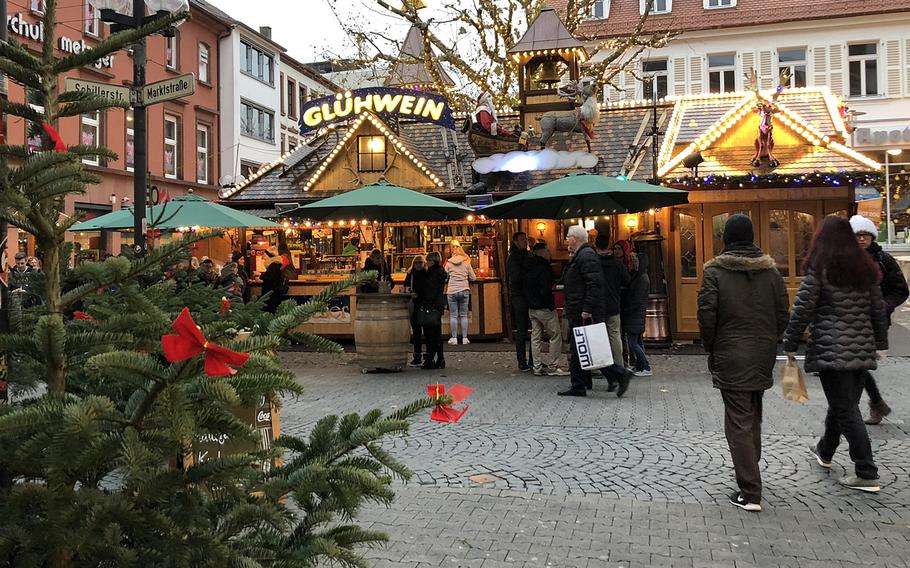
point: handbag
(592, 342)
(428, 316)
(793, 382)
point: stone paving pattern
(601, 481)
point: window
(203, 63)
(247, 169)
(170, 52)
(257, 122)
(301, 96)
(292, 144)
(600, 9)
(256, 63)
(130, 144)
(657, 6)
(688, 256)
(863, 58)
(722, 73)
(720, 3)
(792, 61)
(655, 79)
(92, 19)
(171, 146)
(292, 98)
(91, 131)
(202, 154)
(37, 6)
(371, 153)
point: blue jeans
(458, 309)
(635, 344)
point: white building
(859, 50)
(299, 84)
(250, 101)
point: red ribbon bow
(82, 316)
(445, 412)
(59, 145)
(190, 342)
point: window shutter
(679, 76)
(836, 69)
(820, 66)
(630, 85)
(907, 68)
(748, 60)
(766, 75)
(892, 49)
(696, 75)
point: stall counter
(485, 316)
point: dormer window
(657, 6)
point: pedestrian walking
(583, 283)
(516, 266)
(616, 279)
(542, 312)
(458, 292)
(429, 289)
(894, 293)
(840, 299)
(634, 308)
(418, 265)
(742, 312)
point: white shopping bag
(593, 344)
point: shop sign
(408, 104)
(870, 137)
(18, 26)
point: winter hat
(738, 229)
(862, 225)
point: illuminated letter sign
(407, 104)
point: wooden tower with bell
(547, 55)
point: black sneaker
(740, 501)
(417, 361)
(623, 383)
(855, 482)
(524, 368)
(822, 462)
(572, 392)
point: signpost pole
(140, 120)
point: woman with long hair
(430, 288)
(418, 267)
(458, 292)
(841, 300)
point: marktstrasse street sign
(175, 88)
(115, 93)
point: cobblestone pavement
(531, 479)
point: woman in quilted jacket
(841, 300)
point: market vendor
(351, 248)
(377, 263)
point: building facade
(182, 133)
(859, 49)
(299, 84)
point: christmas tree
(97, 446)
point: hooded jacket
(583, 282)
(742, 312)
(848, 325)
(635, 300)
(616, 280)
(539, 284)
(461, 274)
(894, 285)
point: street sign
(115, 93)
(175, 88)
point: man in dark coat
(584, 300)
(634, 308)
(616, 277)
(516, 267)
(742, 312)
(894, 293)
(542, 310)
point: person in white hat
(894, 292)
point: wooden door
(715, 218)
(688, 260)
(787, 229)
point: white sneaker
(453, 341)
(644, 373)
(557, 372)
(464, 341)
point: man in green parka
(743, 310)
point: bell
(547, 74)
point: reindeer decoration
(764, 142)
(582, 120)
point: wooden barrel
(382, 331)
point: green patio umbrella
(583, 194)
(383, 202)
(183, 211)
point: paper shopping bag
(793, 382)
(593, 345)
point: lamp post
(888, 226)
(126, 14)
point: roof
(311, 73)
(226, 18)
(546, 32)
(691, 15)
(414, 73)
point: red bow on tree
(59, 145)
(445, 412)
(82, 316)
(190, 342)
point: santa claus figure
(485, 116)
